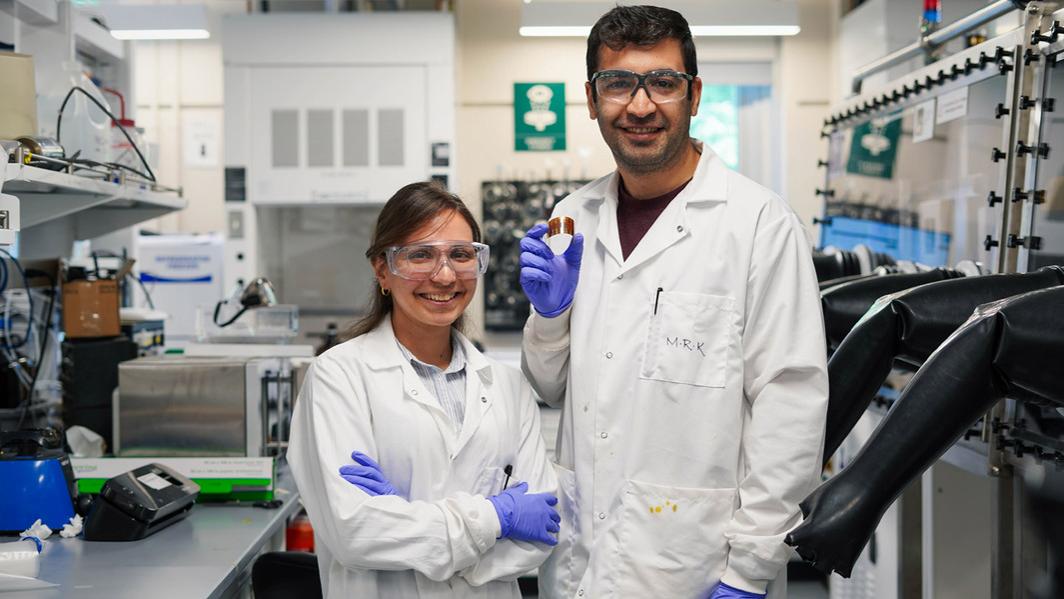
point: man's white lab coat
(693, 382)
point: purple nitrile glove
(724, 591)
(526, 516)
(549, 281)
(367, 475)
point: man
(685, 345)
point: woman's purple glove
(726, 592)
(549, 281)
(367, 475)
(527, 516)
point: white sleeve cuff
(481, 524)
(483, 521)
(737, 580)
(549, 331)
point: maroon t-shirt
(635, 217)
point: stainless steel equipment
(187, 406)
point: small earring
(385, 292)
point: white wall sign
(201, 141)
(924, 121)
(952, 105)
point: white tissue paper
(72, 528)
(39, 530)
(85, 443)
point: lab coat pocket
(556, 575)
(691, 339)
(490, 482)
(670, 540)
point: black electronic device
(89, 375)
(140, 503)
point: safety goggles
(420, 261)
(662, 87)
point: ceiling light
(160, 34)
(155, 21)
(706, 18)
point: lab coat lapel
(479, 397)
(607, 233)
(668, 229)
(383, 353)
(708, 184)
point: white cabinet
(335, 134)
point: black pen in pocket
(509, 470)
(656, 296)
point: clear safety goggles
(661, 86)
(420, 261)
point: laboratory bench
(209, 554)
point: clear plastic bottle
(85, 128)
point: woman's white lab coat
(437, 538)
(693, 385)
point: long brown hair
(411, 208)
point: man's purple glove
(527, 516)
(549, 281)
(367, 475)
(726, 592)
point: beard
(647, 157)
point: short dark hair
(642, 26)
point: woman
(431, 506)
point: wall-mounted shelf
(92, 207)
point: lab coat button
(580, 592)
(484, 400)
(602, 515)
(413, 392)
(609, 355)
(620, 276)
(604, 435)
(679, 228)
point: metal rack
(510, 209)
(84, 205)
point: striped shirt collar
(458, 358)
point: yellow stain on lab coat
(656, 509)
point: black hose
(59, 128)
(217, 311)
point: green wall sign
(874, 147)
(539, 117)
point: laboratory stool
(286, 575)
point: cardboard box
(18, 96)
(90, 308)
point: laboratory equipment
(38, 480)
(183, 406)
(258, 293)
(140, 503)
(89, 375)
(45, 152)
(1008, 348)
(905, 328)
